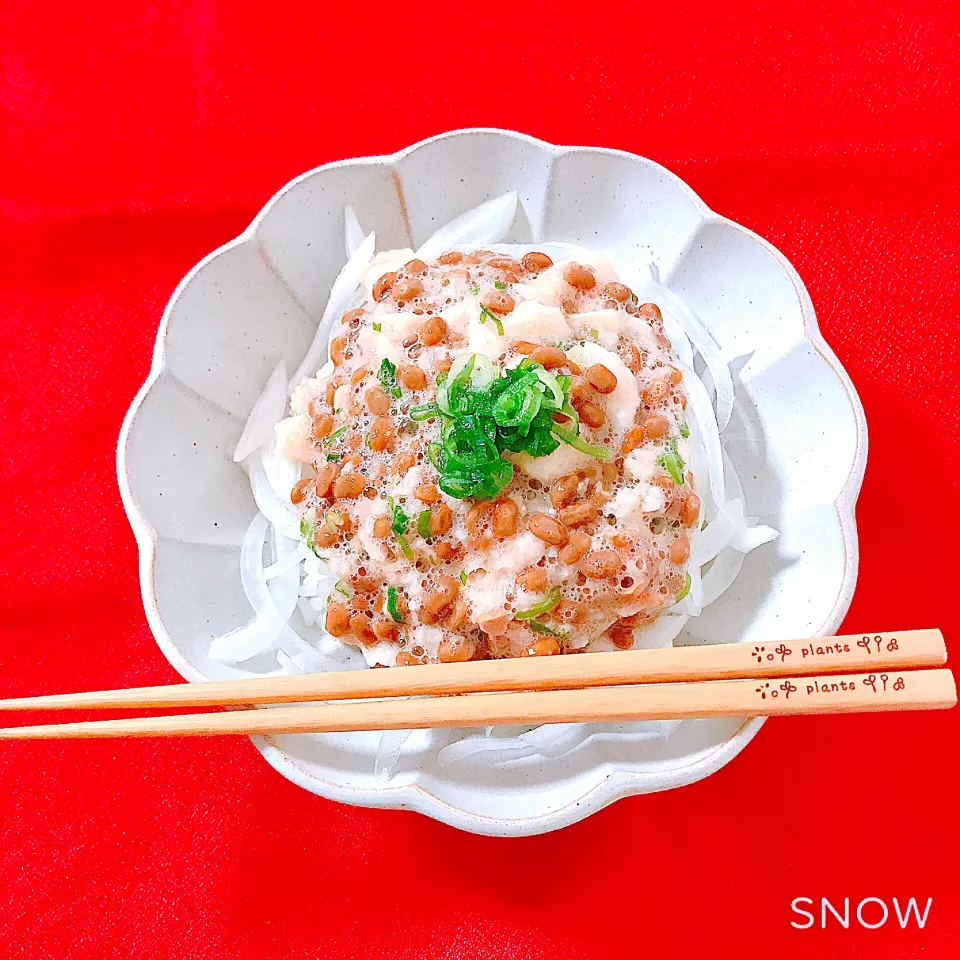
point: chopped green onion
(550, 382)
(549, 631)
(462, 376)
(344, 588)
(484, 373)
(684, 431)
(377, 327)
(334, 436)
(685, 590)
(474, 289)
(423, 523)
(500, 285)
(518, 405)
(486, 315)
(387, 376)
(392, 608)
(541, 606)
(594, 333)
(441, 377)
(485, 412)
(334, 457)
(480, 484)
(567, 410)
(463, 577)
(424, 411)
(672, 462)
(569, 437)
(309, 533)
(399, 521)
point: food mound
(497, 461)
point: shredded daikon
(389, 750)
(352, 232)
(343, 293)
(485, 224)
(266, 412)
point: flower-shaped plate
(798, 438)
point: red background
(138, 137)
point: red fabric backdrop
(136, 138)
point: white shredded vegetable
(646, 284)
(272, 610)
(343, 294)
(266, 412)
(389, 750)
(485, 224)
(292, 560)
(352, 232)
(275, 509)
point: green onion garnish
(685, 590)
(392, 605)
(334, 436)
(684, 431)
(309, 533)
(334, 457)
(399, 522)
(463, 577)
(423, 523)
(541, 606)
(486, 315)
(474, 289)
(387, 376)
(486, 412)
(424, 411)
(568, 436)
(344, 588)
(549, 631)
(672, 462)
(500, 285)
(377, 327)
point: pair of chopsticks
(847, 674)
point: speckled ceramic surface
(798, 437)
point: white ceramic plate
(798, 437)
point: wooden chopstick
(843, 693)
(843, 654)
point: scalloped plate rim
(617, 782)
